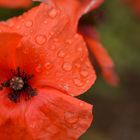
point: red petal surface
(57, 50)
(15, 3)
(104, 61)
(51, 115)
(75, 8)
(8, 42)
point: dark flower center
(16, 83)
(19, 85)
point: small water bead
(81, 104)
(67, 66)
(40, 39)
(18, 26)
(66, 87)
(45, 22)
(88, 64)
(80, 49)
(48, 65)
(52, 13)
(69, 41)
(71, 118)
(28, 23)
(38, 68)
(51, 33)
(76, 36)
(78, 82)
(84, 73)
(53, 47)
(55, 40)
(61, 53)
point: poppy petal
(7, 55)
(64, 55)
(15, 3)
(51, 115)
(104, 61)
(56, 116)
(76, 8)
(12, 119)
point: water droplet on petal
(40, 39)
(51, 33)
(61, 53)
(53, 47)
(48, 65)
(84, 73)
(80, 49)
(68, 41)
(52, 13)
(45, 21)
(66, 87)
(71, 117)
(28, 23)
(67, 66)
(81, 104)
(55, 39)
(78, 82)
(76, 36)
(38, 68)
(18, 26)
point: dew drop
(40, 39)
(76, 36)
(66, 87)
(71, 118)
(55, 39)
(48, 65)
(38, 68)
(52, 13)
(61, 53)
(84, 73)
(80, 49)
(67, 66)
(18, 26)
(81, 104)
(53, 47)
(78, 82)
(45, 21)
(68, 41)
(51, 33)
(28, 23)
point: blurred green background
(116, 109)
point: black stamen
(19, 86)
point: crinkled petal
(58, 116)
(75, 8)
(8, 43)
(15, 3)
(54, 48)
(104, 61)
(51, 115)
(100, 54)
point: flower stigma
(19, 85)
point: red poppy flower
(135, 5)
(15, 3)
(100, 55)
(42, 62)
